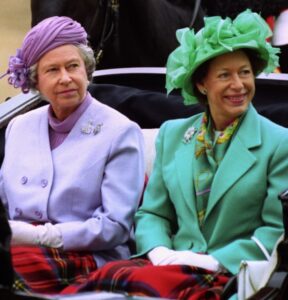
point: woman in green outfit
(211, 200)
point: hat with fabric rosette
(47, 35)
(218, 36)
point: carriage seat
(150, 135)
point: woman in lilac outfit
(73, 170)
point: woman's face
(62, 79)
(229, 86)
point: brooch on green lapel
(189, 134)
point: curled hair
(86, 54)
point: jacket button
(18, 211)
(38, 214)
(24, 180)
(44, 183)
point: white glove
(280, 32)
(24, 233)
(163, 256)
(159, 254)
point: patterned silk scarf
(209, 151)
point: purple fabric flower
(18, 72)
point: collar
(67, 124)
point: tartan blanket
(138, 277)
(45, 270)
(49, 270)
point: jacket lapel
(238, 160)
(43, 132)
(184, 158)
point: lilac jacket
(90, 186)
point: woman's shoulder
(270, 126)
(183, 123)
(254, 121)
(110, 114)
(273, 134)
(30, 116)
(175, 131)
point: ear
(201, 88)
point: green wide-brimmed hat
(218, 36)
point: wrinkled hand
(161, 256)
(24, 233)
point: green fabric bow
(218, 36)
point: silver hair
(87, 55)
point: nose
(64, 77)
(236, 82)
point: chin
(238, 111)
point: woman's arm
(121, 190)
(156, 216)
(264, 237)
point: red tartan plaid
(49, 270)
(138, 277)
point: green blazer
(243, 214)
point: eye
(51, 70)
(73, 66)
(223, 75)
(245, 72)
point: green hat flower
(218, 36)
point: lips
(69, 92)
(236, 99)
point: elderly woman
(73, 170)
(211, 200)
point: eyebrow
(48, 65)
(222, 69)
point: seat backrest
(149, 150)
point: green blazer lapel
(238, 159)
(184, 158)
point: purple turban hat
(45, 36)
